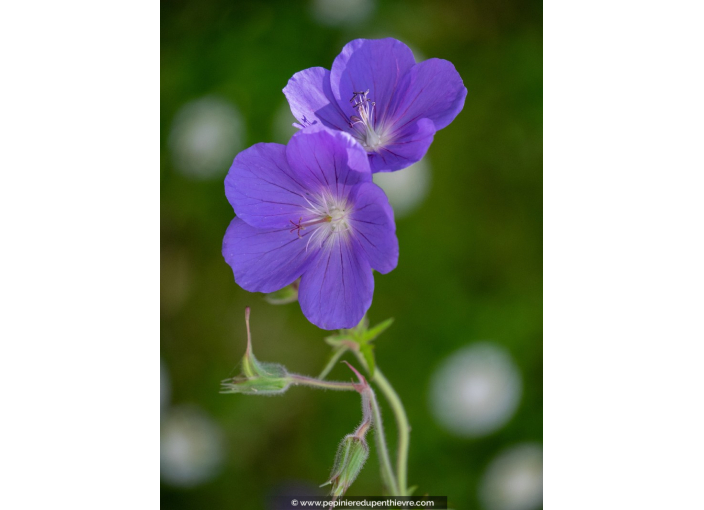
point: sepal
(360, 339)
(351, 455)
(257, 378)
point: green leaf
(359, 338)
(377, 330)
(411, 490)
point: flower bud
(257, 378)
(351, 456)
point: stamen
(329, 218)
(364, 124)
(365, 109)
(297, 227)
(300, 226)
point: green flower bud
(351, 456)
(257, 378)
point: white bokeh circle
(407, 188)
(342, 12)
(476, 390)
(514, 479)
(206, 134)
(192, 449)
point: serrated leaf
(377, 330)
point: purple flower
(310, 210)
(377, 93)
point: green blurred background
(470, 267)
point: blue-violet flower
(309, 209)
(376, 92)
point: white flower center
(329, 217)
(338, 216)
(372, 136)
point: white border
(79, 203)
(624, 256)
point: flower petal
(337, 287)
(264, 191)
(310, 98)
(264, 260)
(372, 221)
(374, 64)
(410, 145)
(329, 161)
(433, 90)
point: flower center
(338, 215)
(367, 132)
(329, 218)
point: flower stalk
(259, 378)
(404, 428)
(358, 340)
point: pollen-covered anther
(365, 109)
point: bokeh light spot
(342, 12)
(476, 390)
(514, 479)
(406, 188)
(206, 134)
(191, 447)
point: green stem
(387, 471)
(333, 360)
(404, 428)
(384, 460)
(302, 380)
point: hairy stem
(404, 428)
(387, 471)
(302, 380)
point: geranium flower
(377, 93)
(309, 209)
